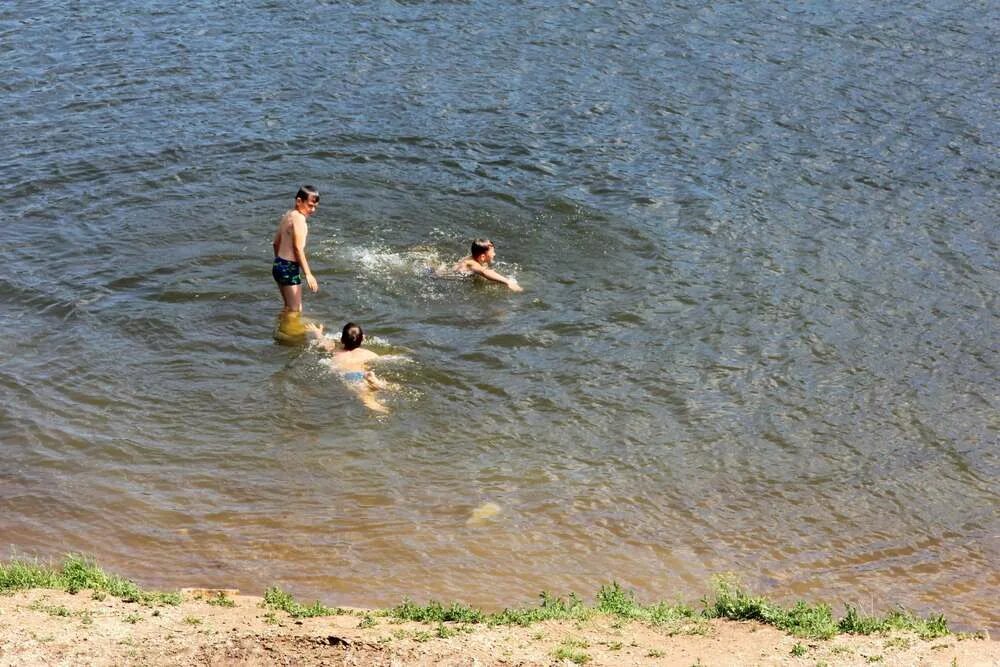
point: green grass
(50, 609)
(221, 600)
(814, 621)
(802, 620)
(570, 650)
(613, 600)
(729, 601)
(279, 599)
(435, 612)
(856, 623)
(75, 574)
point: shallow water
(758, 244)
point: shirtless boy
(478, 263)
(290, 250)
(351, 362)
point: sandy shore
(48, 627)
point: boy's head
(483, 251)
(352, 336)
(307, 199)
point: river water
(758, 242)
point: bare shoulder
(288, 219)
(467, 265)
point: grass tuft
(551, 608)
(435, 612)
(814, 621)
(616, 601)
(802, 620)
(221, 600)
(278, 599)
(856, 623)
(75, 574)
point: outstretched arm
(315, 332)
(490, 274)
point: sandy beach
(50, 627)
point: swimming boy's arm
(315, 332)
(299, 233)
(490, 274)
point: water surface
(758, 243)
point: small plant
(444, 632)
(421, 636)
(655, 653)
(132, 618)
(271, 618)
(873, 658)
(435, 612)
(799, 650)
(75, 574)
(221, 600)
(278, 599)
(50, 609)
(192, 620)
(898, 642)
(615, 646)
(368, 621)
(573, 655)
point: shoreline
(42, 626)
(80, 615)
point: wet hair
(351, 336)
(307, 191)
(480, 247)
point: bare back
(346, 361)
(284, 238)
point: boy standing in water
(478, 263)
(290, 250)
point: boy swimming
(290, 250)
(351, 363)
(481, 254)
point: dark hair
(307, 191)
(351, 336)
(480, 246)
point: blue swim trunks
(353, 376)
(286, 272)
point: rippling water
(759, 249)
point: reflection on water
(291, 328)
(758, 247)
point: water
(758, 243)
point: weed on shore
(278, 599)
(728, 601)
(75, 574)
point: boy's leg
(292, 296)
(367, 397)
